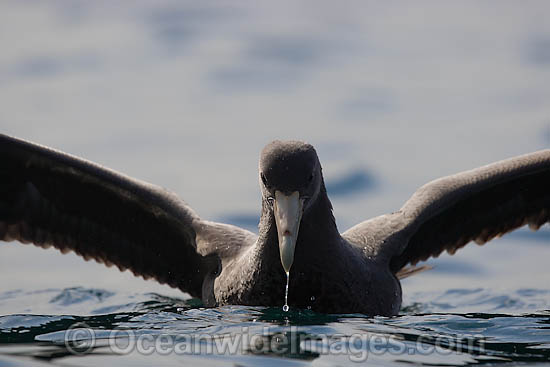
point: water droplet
(312, 298)
(285, 307)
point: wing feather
(476, 205)
(53, 199)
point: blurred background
(185, 94)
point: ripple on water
(511, 326)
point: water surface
(185, 94)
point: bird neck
(318, 233)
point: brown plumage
(53, 199)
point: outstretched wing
(52, 199)
(477, 205)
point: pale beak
(288, 213)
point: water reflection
(538, 51)
(297, 334)
(177, 26)
(403, 338)
(354, 182)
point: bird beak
(288, 213)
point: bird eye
(264, 180)
(310, 178)
(270, 200)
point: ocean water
(185, 95)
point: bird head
(290, 180)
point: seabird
(50, 198)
